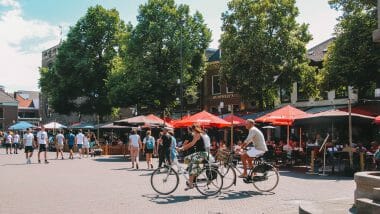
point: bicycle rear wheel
(164, 180)
(265, 177)
(229, 176)
(209, 182)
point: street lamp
(181, 65)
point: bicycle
(263, 176)
(208, 182)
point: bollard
(362, 163)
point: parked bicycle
(263, 176)
(208, 182)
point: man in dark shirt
(165, 144)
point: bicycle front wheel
(164, 180)
(209, 182)
(265, 177)
(229, 176)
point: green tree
(77, 81)
(154, 49)
(261, 40)
(353, 59)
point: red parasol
(237, 121)
(377, 120)
(284, 116)
(202, 118)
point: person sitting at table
(318, 140)
(374, 147)
(361, 148)
(214, 147)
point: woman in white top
(86, 144)
(134, 147)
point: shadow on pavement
(312, 177)
(111, 159)
(171, 199)
(233, 195)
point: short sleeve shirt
(71, 140)
(9, 138)
(16, 138)
(60, 138)
(256, 137)
(80, 138)
(134, 140)
(42, 137)
(29, 139)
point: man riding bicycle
(255, 137)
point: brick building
(8, 109)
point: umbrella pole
(300, 137)
(232, 128)
(287, 137)
(350, 132)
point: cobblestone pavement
(109, 185)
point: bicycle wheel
(209, 182)
(229, 176)
(265, 177)
(164, 180)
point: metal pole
(350, 131)
(232, 127)
(97, 134)
(181, 64)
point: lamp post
(181, 66)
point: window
(229, 89)
(284, 95)
(216, 84)
(1, 113)
(214, 110)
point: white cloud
(21, 44)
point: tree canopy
(76, 82)
(154, 55)
(261, 42)
(353, 59)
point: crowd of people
(196, 145)
(84, 142)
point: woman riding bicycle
(198, 155)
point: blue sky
(29, 26)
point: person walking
(42, 138)
(8, 142)
(148, 147)
(16, 142)
(60, 143)
(134, 147)
(86, 144)
(165, 145)
(79, 139)
(71, 143)
(29, 144)
(173, 149)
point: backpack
(149, 143)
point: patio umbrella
(237, 121)
(139, 121)
(112, 126)
(203, 119)
(82, 126)
(284, 116)
(332, 116)
(54, 125)
(159, 120)
(377, 120)
(22, 126)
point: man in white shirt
(29, 145)
(256, 137)
(79, 138)
(8, 142)
(60, 139)
(42, 139)
(16, 142)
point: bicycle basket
(223, 155)
(211, 172)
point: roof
(318, 52)
(215, 56)
(6, 98)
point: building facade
(8, 109)
(28, 106)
